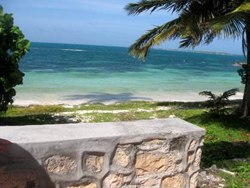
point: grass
(241, 167)
(227, 137)
(232, 181)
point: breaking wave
(74, 50)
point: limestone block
(154, 162)
(150, 183)
(157, 155)
(192, 145)
(122, 155)
(190, 169)
(85, 185)
(94, 163)
(190, 157)
(193, 180)
(153, 145)
(116, 180)
(178, 143)
(198, 157)
(175, 181)
(60, 164)
(147, 182)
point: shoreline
(109, 99)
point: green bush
(13, 47)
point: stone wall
(145, 154)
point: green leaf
(13, 47)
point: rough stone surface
(86, 185)
(122, 155)
(178, 144)
(60, 164)
(153, 145)
(198, 157)
(52, 133)
(116, 180)
(140, 154)
(190, 157)
(193, 180)
(192, 144)
(175, 181)
(190, 168)
(149, 182)
(147, 163)
(208, 178)
(94, 163)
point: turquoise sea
(69, 73)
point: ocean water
(67, 73)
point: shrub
(217, 103)
(13, 47)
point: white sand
(106, 98)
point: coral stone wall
(166, 155)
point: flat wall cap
(63, 132)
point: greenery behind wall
(13, 47)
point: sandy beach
(108, 98)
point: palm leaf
(208, 94)
(154, 37)
(233, 23)
(199, 22)
(229, 93)
(152, 5)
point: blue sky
(95, 22)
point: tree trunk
(246, 99)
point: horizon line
(153, 48)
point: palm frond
(199, 22)
(152, 5)
(229, 93)
(209, 36)
(154, 37)
(187, 42)
(208, 94)
(232, 24)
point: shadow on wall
(105, 97)
(13, 159)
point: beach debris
(144, 110)
(172, 116)
(81, 112)
(227, 172)
(163, 108)
(68, 106)
(153, 116)
(85, 119)
(213, 168)
(81, 115)
(208, 178)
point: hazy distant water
(64, 73)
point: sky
(93, 22)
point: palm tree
(217, 103)
(199, 22)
